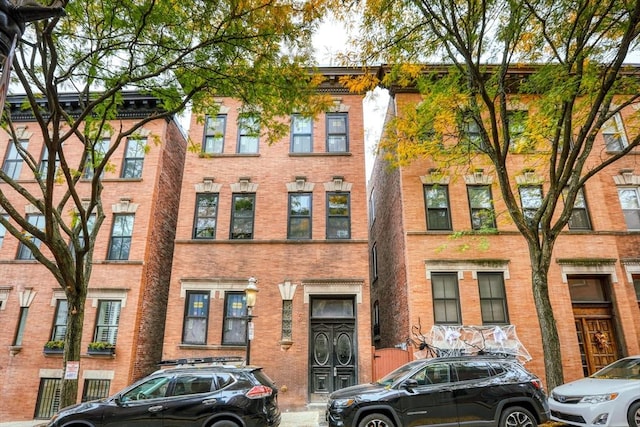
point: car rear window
(472, 371)
(224, 380)
(263, 378)
(192, 384)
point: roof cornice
(134, 105)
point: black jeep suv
(451, 391)
(214, 395)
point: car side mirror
(410, 384)
(118, 400)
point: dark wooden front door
(332, 349)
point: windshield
(403, 370)
(622, 369)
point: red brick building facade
(292, 215)
(421, 274)
(127, 296)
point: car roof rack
(218, 360)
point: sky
(329, 40)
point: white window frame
(614, 129)
(628, 209)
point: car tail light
(259, 391)
(537, 384)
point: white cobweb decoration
(445, 340)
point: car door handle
(209, 401)
(156, 408)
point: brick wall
(160, 179)
(390, 288)
(405, 300)
(270, 257)
(148, 337)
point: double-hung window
(214, 129)
(437, 205)
(134, 158)
(372, 207)
(301, 134)
(579, 214)
(446, 298)
(196, 318)
(107, 321)
(44, 163)
(299, 216)
(376, 320)
(531, 199)
(613, 133)
(248, 134)
(22, 324)
(630, 202)
(470, 134)
(493, 301)
(481, 206)
(337, 133)
(91, 222)
(242, 215)
(235, 319)
(206, 216)
(338, 216)
(13, 161)
(24, 252)
(95, 156)
(517, 120)
(374, 261)
(121, 234)
(3, 229)
(60, 320)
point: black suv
(451, 391)
(215, 395)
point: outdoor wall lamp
(251, 294)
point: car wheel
(375, 420)
(633, 416)
(225, 423)
(517, 416)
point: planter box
(47, 350)
(102, 351)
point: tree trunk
(540, 260)
(72, 349)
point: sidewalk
(308, 418)
(24, 423)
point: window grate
(95, 389)
(48, 398)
